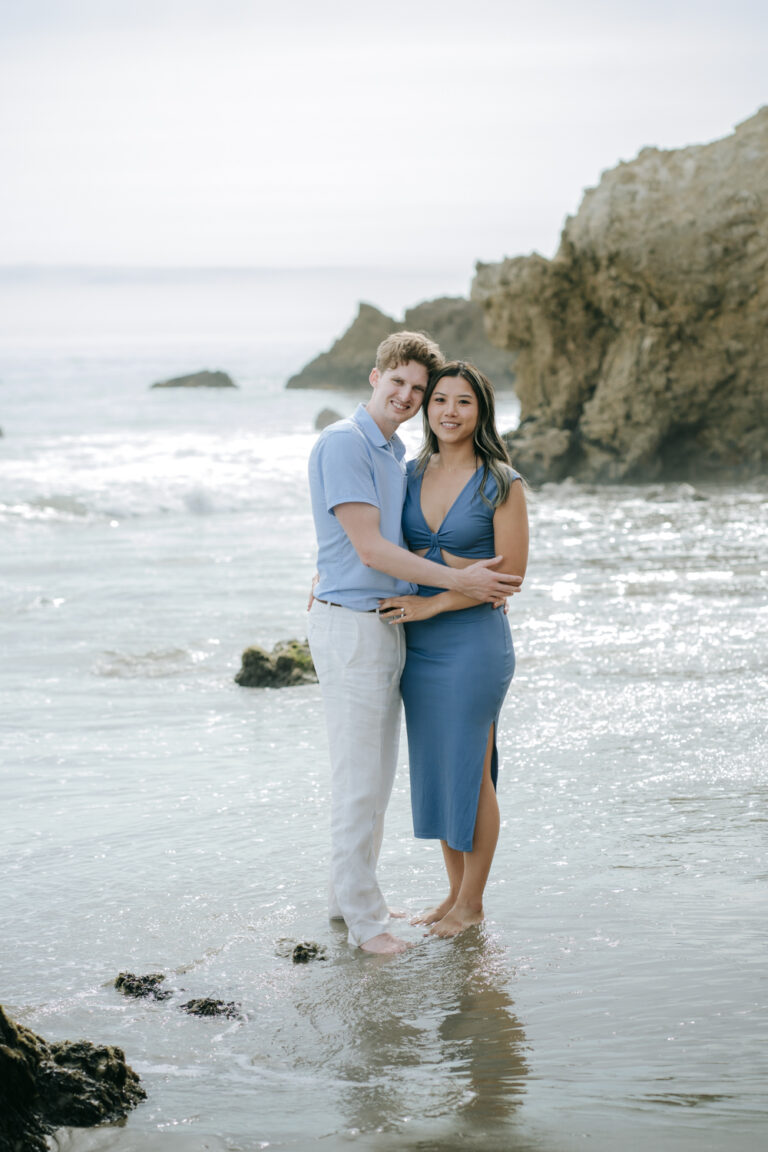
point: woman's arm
(406, 609)
(510, 530)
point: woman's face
(453, 410)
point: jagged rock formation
(204, 379)
(289, 663)
(347, 366)
(47, 1085)
(643, 345)
(455, 323)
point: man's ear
(374, 377)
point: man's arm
(361, 524)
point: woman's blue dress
(457, 672)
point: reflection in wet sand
(485, 1041)
(427, 1043)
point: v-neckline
(437, 531)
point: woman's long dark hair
(489, 446)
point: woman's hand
(406, 609)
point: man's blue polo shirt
(353, 462)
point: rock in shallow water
(142, 986)
(47, 1085)
(307, 951)
(325, 417)
(208, 1007)
(203, 379)
(289, 663)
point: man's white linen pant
(359, 659)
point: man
(357, 483)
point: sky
(313, 133)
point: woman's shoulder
(491, 488)
(511, 472)
(507, 471)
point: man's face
(397, 392)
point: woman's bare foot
(396, 913)
(460, 917)
(435, 914)
(385, 944)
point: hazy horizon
(232, 135)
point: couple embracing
(415, 562)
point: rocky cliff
(347, 365)
(643, 345)
(455, 323)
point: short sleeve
(345, 469)
(512, 475)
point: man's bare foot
(435, 914)
(385, 944)
(396, 913)
(460, 917)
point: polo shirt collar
(363, 417)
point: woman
(464, 502)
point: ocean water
(158, 818)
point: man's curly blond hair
(404, 347)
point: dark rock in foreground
(208, 1007)
(198, 380)
(142, 986)
(289, 663)
(455, 323)
(643, 345)
(48, 1085)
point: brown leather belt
(331, 604)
